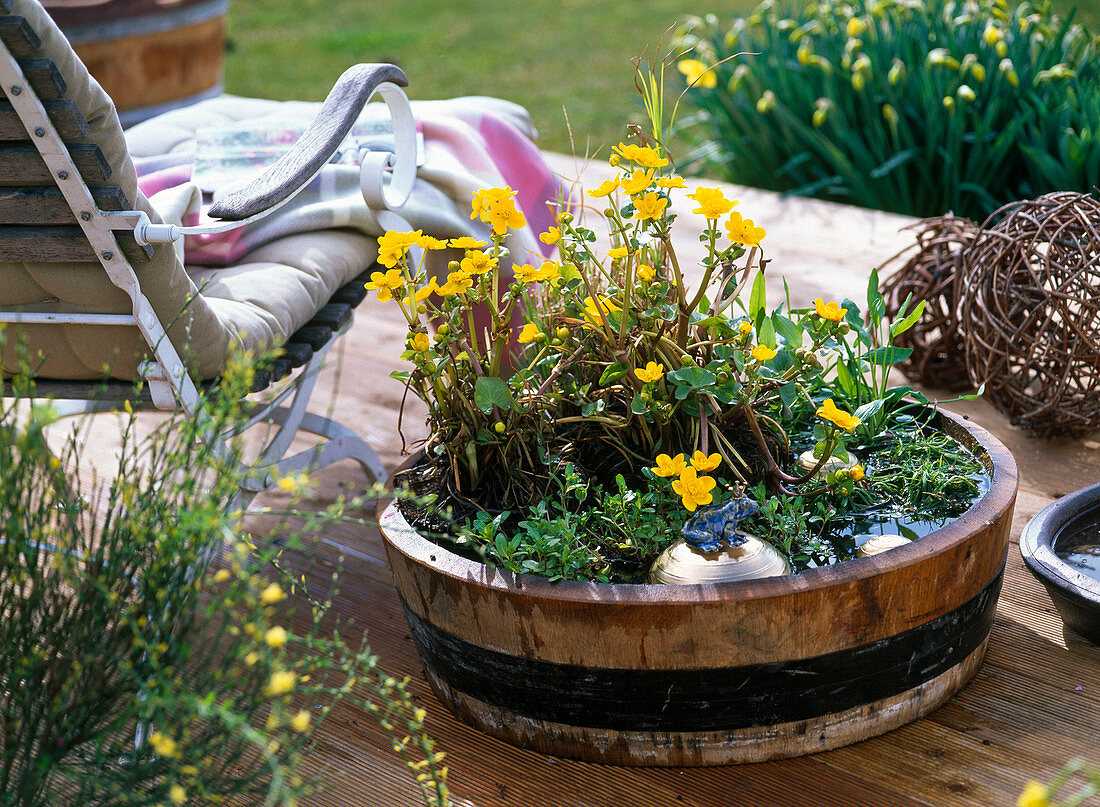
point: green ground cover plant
(917, 108)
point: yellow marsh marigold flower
(763, 353)
(1034, 794)
(477, 262)
(650, 206)
(618, 252)
(392, 246)
(164, 745)
(592, 312)
(281, 683)
(701, 462)
(671, 182)
(525, 273)
(272, 594)
(466, 242)
(385, 283)
(713, 204)
(830, 311)
(646, 273)
(605, 188)
(529, 333)
(856, 472)
(300, 722)
(828, 411)
(743, 231)
(176, 794)
(485, 198)
(422, 293)
(669, 466)
(457, 283)
(275, 637)
(744, 328)
(642, 155)
(694, 490)
(650, 373)
(548, 271)
(429, 242)
(504, 216)
(695, 72)
(551, 236)
(636, 182)
(421, 342)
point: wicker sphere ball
(1031, 313)
(933, 272)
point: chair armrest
(314, 148)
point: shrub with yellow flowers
(637, 389)
(150, 653)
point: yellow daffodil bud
(1009, 72)
(891, 116)
(897, 72)
(766, 103)
(1001, 49)
(965, 93)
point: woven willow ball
(1031, 313)
(933, 274)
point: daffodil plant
(628, 360)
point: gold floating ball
(682, 563)
(880, 543)
(806, 461)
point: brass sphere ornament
(876, 544)
(752, 559)
(933, 273)
(715, 550)
(1031, 313)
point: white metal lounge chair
(91, 281)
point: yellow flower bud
(897, 72)
(766, 103)
(891, 116)
(965, 93)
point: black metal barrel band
(712, 699)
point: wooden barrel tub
(711, 674)
(149, 55)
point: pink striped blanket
(468, 144)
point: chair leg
(340, 443)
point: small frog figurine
(710, 526)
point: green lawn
(571, 55)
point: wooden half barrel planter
(710, 674)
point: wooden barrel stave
(148, 56)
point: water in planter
(1078, 544)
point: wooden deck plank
(1021, 717)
